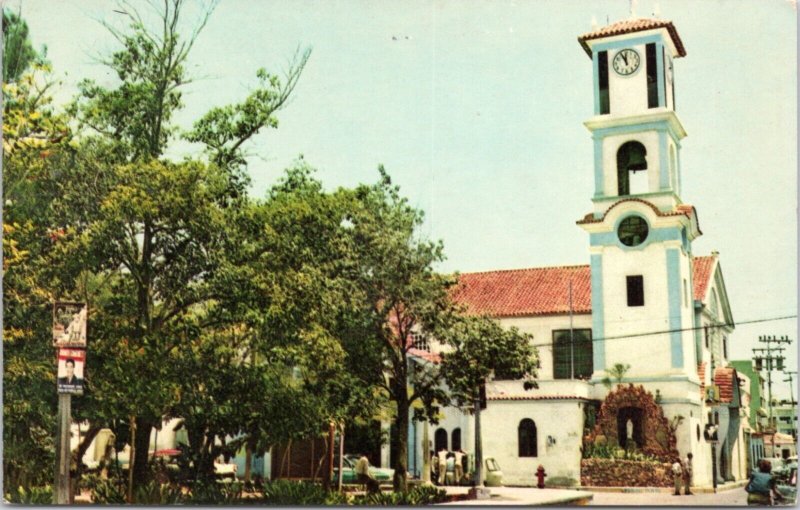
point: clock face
(632, 231)
(626, 62)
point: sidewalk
(521, 496)
(667, 490)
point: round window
(632, 231)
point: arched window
(631, 158)
(526, 432)
(456, 439)
(439, 440)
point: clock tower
(640, 231)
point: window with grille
(575, 361)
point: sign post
(69, 338)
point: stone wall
(625, 473)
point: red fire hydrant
(540, 474)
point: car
(382, 475)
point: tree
(163, 230)
(482, 349)
(398, 294)
(36, 143)
(18, 52)
(615, 373)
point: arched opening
(526, 433)
(440, 440)
(455, 439)
(630, 427)
(632, 169)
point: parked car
(382, 475)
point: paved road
(733, 497)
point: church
(643, 300)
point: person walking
(687, 475)
(761, 486)
(677, 473)
(363, 475)
(442, 458)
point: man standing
(459, 469)
(363, 476)
(687, 475)
(676, 476)
(442, 457)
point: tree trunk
(326, 480)
(401, 428)
(248, 461)
(141, 472)
(478, 442)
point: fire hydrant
(540, 474)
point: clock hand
(625, 58)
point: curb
(665, 490)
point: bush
(216, 493)
(420, 495)
(285, 492)
(154, 493)
(32, 496)
(108, 492)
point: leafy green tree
(36, 143)
(398, 294)
(18, 51)
(481, 350)
(615, 373)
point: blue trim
(662, 97)
(598, 169)
(663, 161)
(626, 43)
(596, 78)
(655, 235)
(678, 169)
(674, 293)
(661, 125)
(598, 320)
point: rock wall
(625, 473)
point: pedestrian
(676, 476)
(762, 485)
(442, 457)
(459, 472)
(364, 477)
(687, 475)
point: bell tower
(639, 229)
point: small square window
(635, 290)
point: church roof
(725, 378)
(701, 275)
(633, 25)
(521, 292)
(544, 290)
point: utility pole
(769, 358)
(62, 474)
(791, 399)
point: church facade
(643, 300)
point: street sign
(710, 433)
(69, 324)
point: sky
(476, 109)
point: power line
(678, 330)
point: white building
(644, 299)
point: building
(785, 417)
(644, 299)
(757, 413)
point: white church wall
(560, 420)
(542, 330)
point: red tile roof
(543, 290)
(725, 379)
(535, 397)
(701, 275)
(682, 210)
(521, 292)
(633, 25)
(426, 355)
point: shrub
(285, 492)
(108, 492)
(154, 493)
(213, 492)
(32, 496)
(420, 495)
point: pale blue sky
(476, 109)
